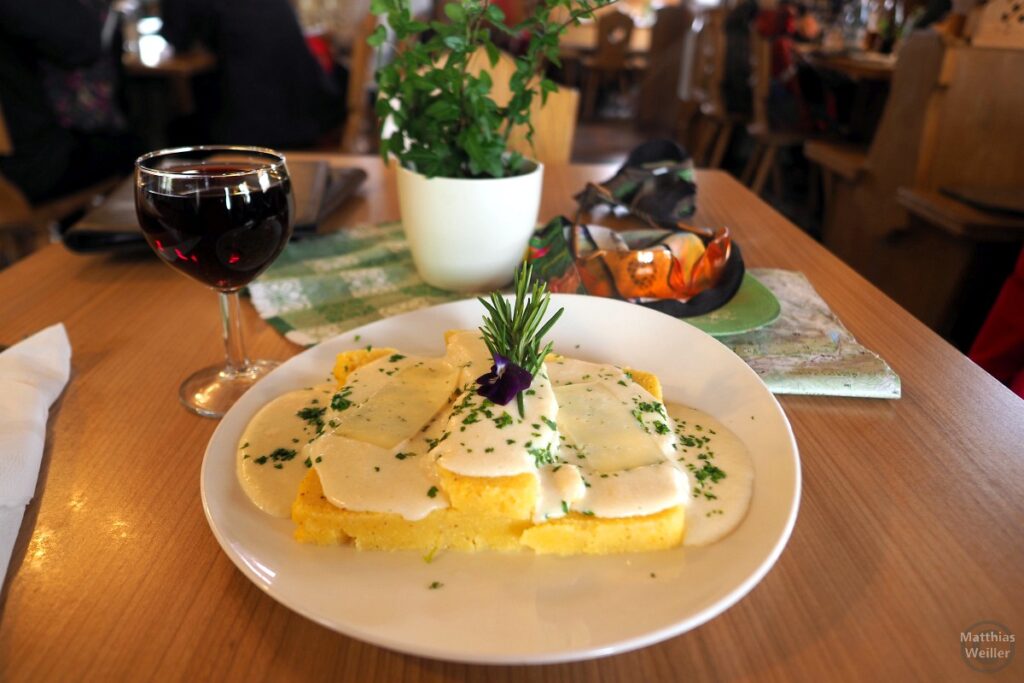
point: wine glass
(221, 215)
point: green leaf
(455, 12)
(456, 43)
(443, 110)
(377, 38)
(495, 14)
(493, 53)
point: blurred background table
(908, 531)
(858, 65)
(160, 91)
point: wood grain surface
(909, 529)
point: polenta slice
(482, 512)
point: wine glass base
(211, 391)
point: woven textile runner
(321, 287)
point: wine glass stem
(231, 319)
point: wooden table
(179, 65)
(866, 66)
(909, 528)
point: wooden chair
(710, 126)
(768, 140)
(358, 115)
(657, 104)
(554, 123)
(610, 58)
(953, 118)
(893, 154)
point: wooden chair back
(709, 62)
(554, 123)
(657, 103)
(895, 152)
(358, 84)
(867, 211)
(760, 79)
(614, 33)
(978, 137)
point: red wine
(224, 228)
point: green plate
(753, 306)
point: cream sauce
(270, 461)
(707, 450)
(485, 440)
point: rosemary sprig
(515, 334)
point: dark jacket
(64, 33)
(270, 91)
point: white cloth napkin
(33, 372)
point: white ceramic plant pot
(469, 235)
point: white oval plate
(521, 608)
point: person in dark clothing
(49, 160)
(270, 90)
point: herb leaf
(515, 335)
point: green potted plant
(468, 203)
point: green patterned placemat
(323, 286)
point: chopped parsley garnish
(395, 357)
(435, 585)
(403, 456)
(313, 416)
(542, 456)
(280, 455)
(503, 420)
(565, 507)
(432, 443)
(340, 400)
(711, 472)
(309, 462)
(432, 492)
(549, 422)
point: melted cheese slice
(407, 399)
(357, 475)
(604, 433)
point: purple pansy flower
(504, 381)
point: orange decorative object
(679, 267)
